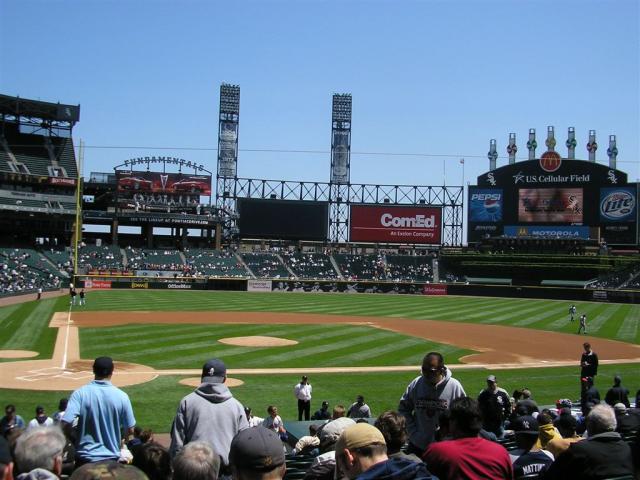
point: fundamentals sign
(395, 224)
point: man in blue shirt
(104, 416)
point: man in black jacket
(617, 393)
(602, 455)
(588, 364)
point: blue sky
(434, 78)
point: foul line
(66, 341)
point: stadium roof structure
(24, 108)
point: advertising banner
(434, 289)
(485, 205)
(340, 168)
(259, 285)
(90, 283)
(227, 149)
(568, 231)
(618, 204)
(550, 205)
(166, 183)
(395, 224)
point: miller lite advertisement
(618, 204)
(395, 224)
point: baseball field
(347, 344)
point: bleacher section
(409, 268)
(265, 265)
(105, 257)
(25, 270)
(214, 263)
(145, 259)
(532, 269)
(60, 258)
(361, 267)
(313, 266)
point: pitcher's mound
(257, 341)
(195, 382)
(17, 354)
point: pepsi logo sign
(617, 205)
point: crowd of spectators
(312, 266)
(104, 257)
(361, 266)
(454, 435)
(214, 263)
(147, 259)
(266, 265)
(23, 270)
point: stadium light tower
(228, 124)
(340, 166)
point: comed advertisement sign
(395, 224)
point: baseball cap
(256, 448)
(331, 431)
(620, 408)
(39, 410)
(491, 378)
(359, 435)
(108, 470)
(103, 366)
(5, 453)
(214, 371)
(525, 424)
(325, 403)
(564, 403)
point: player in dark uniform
(583, 324)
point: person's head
(154, 460)
(617, 380)
(526, 393)
(214, 371)
(586, 346)
(10, 411)
(544, 418)
(304, 379)
(566, 425)
(392, 425)
(620, 409)
(338, 411)
(108, 470)
(40, 448)
(313, 429)
(103, 367)
(331, 431)
(40, 411)
(257, 453)
(359, 448)
(492, 383)
(526, 430)
(517, 394)
(433, 369)
(196, 461)
(465, 419)
(6, 462)
(325, 405)
(62, 404)
(247, 412)
(272, 410)
(601, 419)
(146, 436)
(360, 400)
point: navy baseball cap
(525, 424)
(256, 448)
(214, 371)
(103, 366)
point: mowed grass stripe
(380, 352)
(34, 318)
(628, 330)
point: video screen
(550, 205)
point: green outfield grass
(24, 327)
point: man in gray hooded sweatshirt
(424, 400)
(209, 414)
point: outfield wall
(352, 287)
